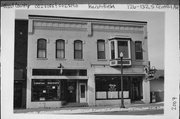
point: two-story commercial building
(77, 60)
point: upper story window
(60, 48)
(138, 50)
(101, 49)
(119, 45)
(123, 47)
(112, 50)
(41, 48)
(78, 49)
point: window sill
(120, 59)
(42, 58)
(139, 60)
(102, 60)
(79, 59)
(60, 59)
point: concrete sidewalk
(80, 110)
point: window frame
(36, 90)
(41, 49)
(115, 40)
(98, 52)
(81, 50)
(102, 84)
(63, 41)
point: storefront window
(45, 90)
(109, 87)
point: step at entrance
(137, 102)
(76, 105)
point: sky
(155, 28)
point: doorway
(71, 91)
(136, 89)
(82, 91)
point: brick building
(77, 60)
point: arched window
(60, 48)
(41, 48)
(101, 49)
(78, 49)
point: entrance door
(71, 94)
(136, 90)
(82, 90)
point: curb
(92, 110)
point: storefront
(109, 88)
(59, 90)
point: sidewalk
(80, 110)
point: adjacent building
(77, 60)
(20, 63)
(157, 86)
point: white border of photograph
(171, 58)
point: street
(147, 112)
(134, 109)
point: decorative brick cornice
(56, 25)
(87, 24)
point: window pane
(42, 44)
(101, 46)
(45, 90)
(138, 50)
(101, 95)
(78, 45)
(138, 46)
(41, 48)
(101, 55)
(112, 94)
(82, 91)
(123, 47)
(78, 54)
(139, 55)
(112, 50)
(60, 54)
(60, 44)
(101, 49)
(41, 54)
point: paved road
(146, 112)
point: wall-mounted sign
(53, 83)
(39, 83)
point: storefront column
(91, 88)
(146, 91)
(28, 97)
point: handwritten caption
(151, 6)
(90, 6)
(174, 103)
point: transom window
(78, 49)
(41, 48)
(101, 49)
(60, 48)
